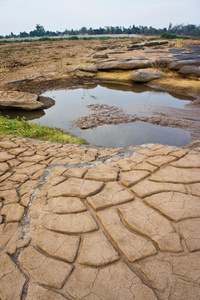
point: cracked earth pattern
(99, 224)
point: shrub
(44, 38)
(167, 35)
(73, 37)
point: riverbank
(23, 128)
(29, 69)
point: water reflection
(88, 95)
(140, 88)
(29, 115)
(72, 104)
(135, 134)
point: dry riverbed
(28, 69)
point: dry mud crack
(93, 223)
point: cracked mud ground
(93, 223)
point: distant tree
(107, 30)
(39, 31)
(83, 30)
(128, 30)
(23, 34)
(170, 27)
(51, 33)
(11, 35)
(72, 32)
(195, 32)
(135, 30)
(180, 29)
(90, 31)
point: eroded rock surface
(92, 223)
(146, 75)
(20, 100)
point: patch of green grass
(17, 127)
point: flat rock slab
(22, 100)
(145, 75)
(124, 65)
(100, 55)
(177, 65)
(88, 68)
(190, 70)
(84, 73)
(79, 222)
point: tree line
(181, 29)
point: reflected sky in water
(71, 104)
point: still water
(71, 104)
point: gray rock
(193, 145)
(117, 52)
(70, 69)
(115, 46)
(177, 65)
(46, 101)
(124, 65)
(20, 105)
(145, 75)
(133, 47)
(100, 55)
(186, 56)
(155, 43)
(190, 70)
(88, 68)
(82, 74)
(100, 48)
(19, 100)
(147, 44)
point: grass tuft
(17, 127)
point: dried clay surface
(94, 223)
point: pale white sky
(23, 15)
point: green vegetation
(17, 127)
(73, 37)
(167, 35)
(60, 39)
(171, 36)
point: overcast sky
(23, 15)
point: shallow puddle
(72, 104)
